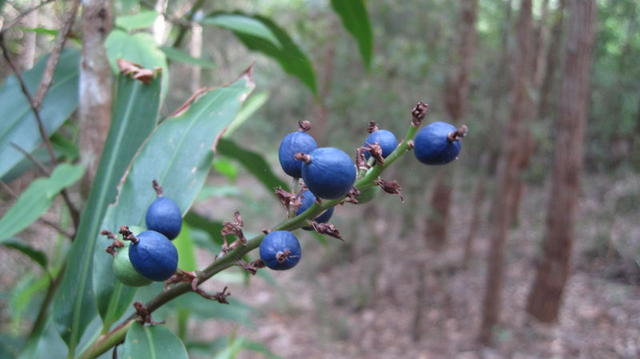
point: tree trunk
(95, 84)
(547, 89)
(551, 275)
(508, 173)
(456, 94)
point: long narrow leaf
(37, 199)
(252, 162)
(178, 155)
(134, 100)
(38, 256)
(74, 303)
(355, 19)
(288, 55)
(18, 124)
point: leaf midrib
(100, 203)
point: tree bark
(548, 89)
(456, 94)
(508, 174)
(95, 84)
(545, 297)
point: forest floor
(396, 299)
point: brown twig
(52, 61)
(44, 221)
(24, 13)
(75, 216)
(45, 83)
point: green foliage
(180, 56)
(134, 116)
(36, 255)
(186, 250)
(252, 162)
(139, 48)
(37, 199)
(180, 145)
(242, 24)
(354, 17)
(141, 20)
(155, 342)
(19, 125)
(292, 60)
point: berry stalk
(117, 335)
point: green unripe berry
(122, 267)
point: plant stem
(117, 335)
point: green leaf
(64, 150)
(288, 55)
(259, 348)
(40, 30)
(248, 109)
(38, 256)
(37, 199)
(18, 124)
(219, 191)
(139, 48)
(47, 345)
(141, 20)
(252, 162)
(134, 117)
(134, 101)
(153, 342)
(231, 351)
(186, 250)
(243, 24)
(226, 168)
(178, 155)
(212, 228)
(355, 19)
(180, 56)
(202, 309)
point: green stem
(117, 335)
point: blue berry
(165, 217)
(432, 145)
(154, 256)
(386, 139)
(329, 172)
(293, 143)
(307, 201)
(280, 250)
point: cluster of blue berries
(149, 255)
(329, 173)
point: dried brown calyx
(418, 113)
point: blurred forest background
(527, 246)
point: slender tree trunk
(508, 174)
(527, 142)
(95, 83)
(456, 94)
(547, 90)
(478, 198)
(195, 48)
(551, 275)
